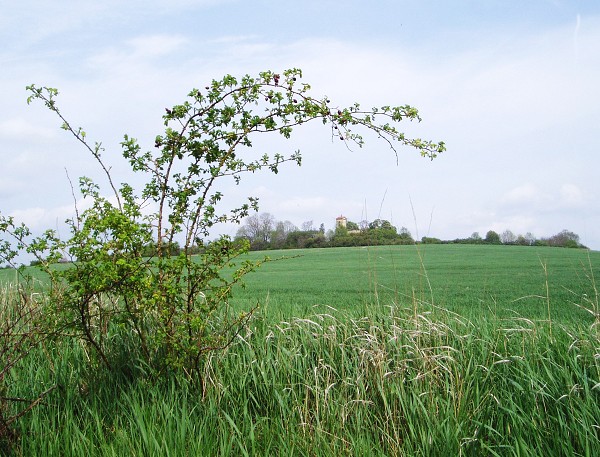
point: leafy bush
(123, 280)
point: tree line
(264, 232)
(564, 238)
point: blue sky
(510, 86)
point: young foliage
(170, 304)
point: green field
(435, 350)
(503, 281)
(471, 280)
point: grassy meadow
(431, 350)
(471, 280)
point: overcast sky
(512, 87)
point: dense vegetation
(128, 294)
(407, 350)
(263, 231)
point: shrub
(124, 277)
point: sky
(511, 87)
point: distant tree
(257, 229)
(167, 249)
(381, 232)
(405, 235)
(307, 226)
(341, 230)
(302, 239)
(430, 240)
(281, 232)
(381, 224)
(508, 237)
(316, 240)
(376, 224)
(565, 239)
(322, 228)
(475, 238)
(352, 226)
(530, 239)
(521, 241)
(492, 237)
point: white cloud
(36, 20)
(317, 208)
(303, 205)
(572, 196)
(519, 224)
(525, 194)
(135, 56)
(20, 128)
(547, 199)
(156, 45)
(39, 219)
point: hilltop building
(341, 221)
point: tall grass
(390, 383)
(20, 335)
